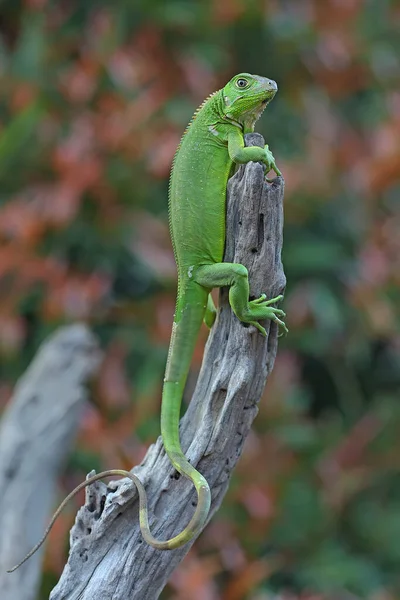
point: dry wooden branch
(36, 433)
(108, 557)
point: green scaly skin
(210, 147)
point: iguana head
(245, 97)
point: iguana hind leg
(235, 276)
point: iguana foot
(260, 309)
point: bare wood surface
(36, 433)
(108, 558)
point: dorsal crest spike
(196, 112)
(191, 121)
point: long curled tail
(188, 318)
(194, 527)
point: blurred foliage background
(94, 98)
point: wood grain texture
(108, 557)
(36, 434)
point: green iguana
(210, 147)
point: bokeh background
(94, 98)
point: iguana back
(197, 190)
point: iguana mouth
(269, 97)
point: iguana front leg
(241, 154)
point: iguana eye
(241, 83)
